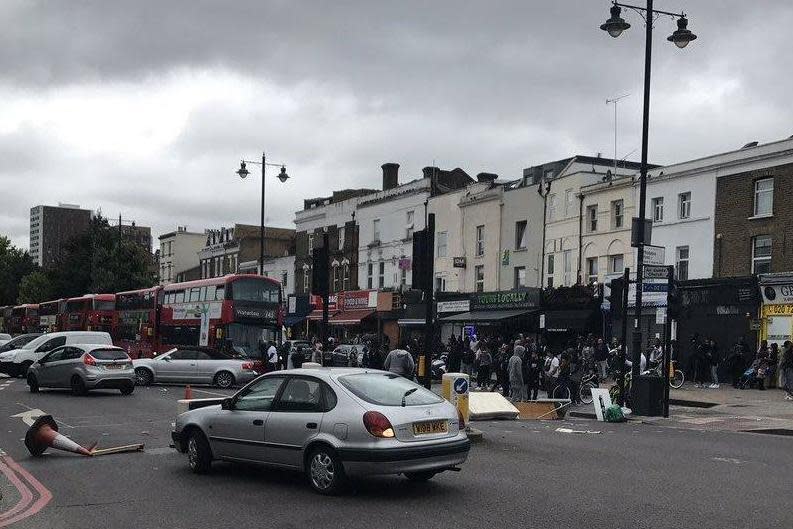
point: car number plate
(430, 427)
(114, 366)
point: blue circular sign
(461, 386)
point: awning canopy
(479, 316)
(350, 317)
(293, 319)
(567, 320)
(316, 315)
(410, 322)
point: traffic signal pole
(429, 334)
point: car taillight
(247, 366)
(89, 360)
(378, 424)
(460, 419)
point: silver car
(329, 423)
(83, 368)
(197, 365)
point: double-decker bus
(92, 312)
(24, 318)
(238, 312)
(51, 315)
(136, 325)
(5, 319)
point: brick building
(753, 214)
(51, 227)
(227, 248)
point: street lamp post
(282, 176)
(614, 26)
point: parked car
(19, 341)
(17, 361)
(329, 424)
(83, 368)
(197, 365)
(4, 338)
(302, 347)
(342, 354)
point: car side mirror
(226, 403)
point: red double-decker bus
(92, 312)
(238, 312)
(51, 315)
(5, 319)
(24, 318)
(136, 325)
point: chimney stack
(486, 177)
(390, 175)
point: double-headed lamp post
(282, 176)
(614, 26)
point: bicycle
(561, 391)
(614, 391)
(676, 376)
(588, 383)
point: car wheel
(78, 386)
(199, 456)
(420, 477)
(324, 470)
(143, 377)
(224, 379)
(33, 384)
(128, 389)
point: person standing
(601, 357)
(532, 378)
(515, 370)
(469, 356)
(736, 362)
(787, 368)
(316, 354)
(272, 358)
(761, 361)
(714, 360)
(400, 362)
(551, 372)
(484, 361)
(773, 363)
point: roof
(217, 281)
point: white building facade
(521, 237)
(179, 253)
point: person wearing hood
(400, 362)
(515, 371)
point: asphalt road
(524, 474)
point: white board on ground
(490, 405)
(601, 400)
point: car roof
(327, 372)
(95, 346)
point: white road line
(196, 390)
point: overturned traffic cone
(43, 434)
(188, 392)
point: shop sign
(518, 299)
(359, 299)
(457, 305)
(777, 294)
(316, 301)
(292, 305)
(405, 264)
(778, 310)
(458, 262)
(654, 255)
(255, 313)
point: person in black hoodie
(531, 377)
(737, 361)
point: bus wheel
(224, 379)
(143, 376)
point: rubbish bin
(648, 396)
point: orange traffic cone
(43, 434)
(188, 392)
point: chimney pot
(390, 175)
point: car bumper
(400, 460)
(178, 440)
(114, 381)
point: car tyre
(78, 386)
(143, 377)
(33, 383)
(199, 455)
(128, 389)
(420, 477)
(324, 471)
(224, 380)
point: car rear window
(109, 354)
(387, 389)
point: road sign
(655, 272)
(461, 386)
(654, 255)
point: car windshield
(20, 342)
(387, 389)
(36, 342)
(109, 354)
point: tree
(15, 263)
(35, 287)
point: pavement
(522, 474)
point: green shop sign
(511, 299)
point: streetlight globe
(243, 171)
(282, 176)
(682, 35)
(615, 25)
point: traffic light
(319, 270)
(615, 296)
(420, 261)
(674, 301)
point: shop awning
(478, 316)
(316, 315)
(410, 322)
(293, 319)
(567, 320)
(350, 317)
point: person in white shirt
(272, 358)
(552, 372)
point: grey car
(329, 423)
(83, 368)
(197, 365)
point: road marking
(30, 416)
(44, 495)
(728, 460)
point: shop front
(355, 316)
(569, 313)
(776, 324)
(298, 307)
(485, 314)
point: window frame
(592, 275)
(549, 269)
(381, 274)
(442, 249)
(592, 218)
(480, 240)
(516, 283)
(375, 230)
(763, 259)
(479, 283)
(612, 269)
(520, 235)
(757, 193)
(657, 205)
(617, 214)
(678, 260)
(684, 203)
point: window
(761, 254)
(684, 203)
(520, 235)
(259, 396)
(549, 270)
(520, 277)
(681, 263)
(403, 277)
(346, 280)
(376, 230)
(306, 281)
(567, 261)
(341, 237)
(284, 277)
(442, 244)
(551, 207)
(336, 278)
(480, 241)
(592, 218)
(409, 225)
(617, 214)
(592, 269)
(381, 275)
(440, 284)
(568, 202)
(301, 395)
(388, 389)
(658, 209)
(764, 197)
(310, 244)
(479, 278)
(369, 272)
(616, 264)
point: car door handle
(311, 425)
(258, 422)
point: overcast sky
(146, 107)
